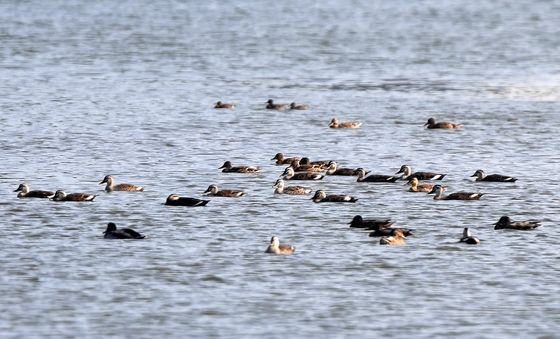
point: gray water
(127, 88)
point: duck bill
(474, 175)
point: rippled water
(127, 88)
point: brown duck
(227, 167)
(439, 189)
(110, 187)
(24, 192)
(444, 124)
(505, 222)
(321, 196)
(480, 176)
(213, 190)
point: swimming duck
(480, 176)
(300, 106)
(444, 124)
(406, 170)
(213, 190)
(277, 248)
(122, 233)
(24, 192)
(439, 189)
(321, 196)
(390, 232)
(334, 170)
(348, 124)
(370, 224)
(120, 187)
(220, 104)
(416, 187)
(290, 174)
(397, 239)
(229, 168)
(505, 222)
(361, 173)
(279, 107)
(62, 196)
(293, 190)
(176, 200)
(280, 160)
(306, 161)
(468, 238)
(298, 167)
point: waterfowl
(279, 107)
(439, 189)
(444, 124)
(213, 190)
(24, 192)
(406, 170)
(468, 238)
(110, 187)
(298, 167)
(62, 196)
(306, 161)
(227, 167)
(347, 124)
(390, 232)
(397, 239)
(290, 174)
(361, 173)
(299, 106)
(370, 224)
(505, 222)
(220, 104)
(480, 176)
(280, 160)
(277, 248)
(334, 170)
(293, 190)
(416, 187)
(176, 200)
(321, 196)
(122, 233)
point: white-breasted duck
(24, 192)
(505, 222)
(276, 247)
(122, 233)
(215, 191)
(220, 104)
(176, 200)
(293, 105)
(227, 167)
(333, 169)
(279, 107)
(293, 190)
(110, 187)
(62, 196)
(407, 174)
(443, 124)
(370, 224)
(321, 196)
(380, 178)
(481, 176)
(290, 174)
(439, 189)
(415, 186)
(281, 160)
(397, 239)
(335, 123)
(469, 238)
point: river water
(127, 88)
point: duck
(397, 239)
(281, 160)
(468, 238)
(279, 107)
(321, 196)
(276, 247)
(227, 167)
(293, 190)
(122, 233)
(110, 187)
(24, 192)
(407, 174)
(333, 169)
(505, 222)
(370, 224)
(290, 174)
(444, 124)
(347, 124)
(298, 167)
(361, 173)
(480, 176)
(439, 189)
(220, 104)
(390, 232)
(213, 190)
(416, 187)
(306, 161)
(62, 196)
(176, 200)
(299, 106)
